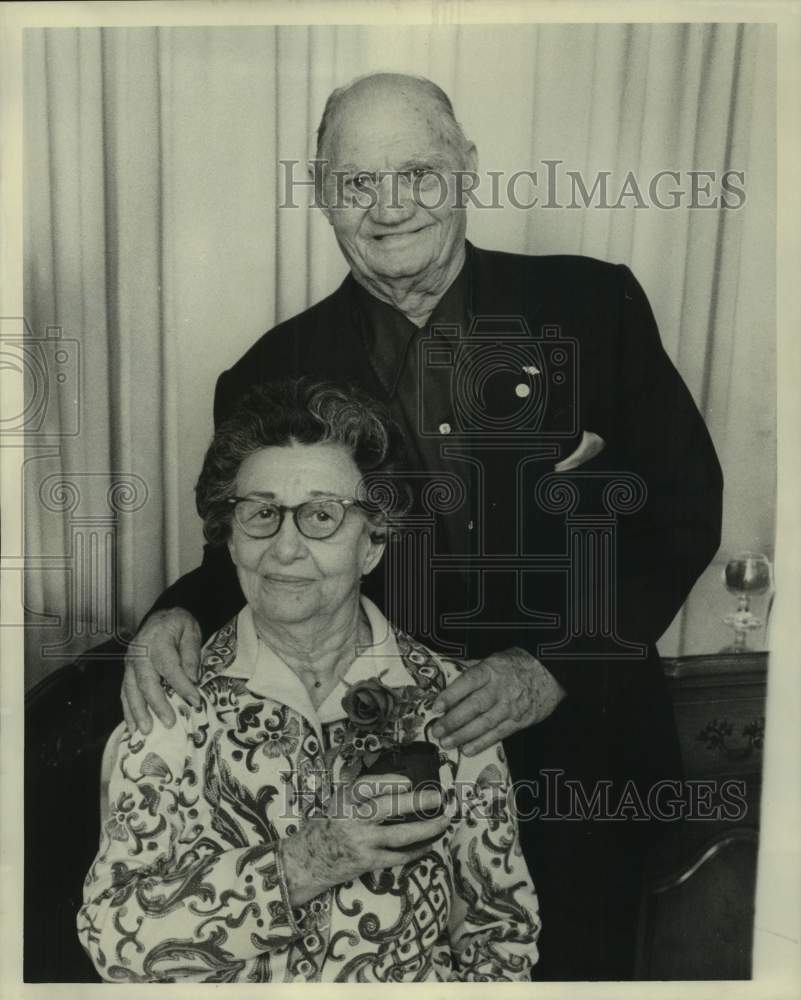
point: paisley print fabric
(188, 885)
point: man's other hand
(172, 642)
(493, 699)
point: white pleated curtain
(153, 237)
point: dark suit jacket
(626, 390)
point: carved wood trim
(717, 665)
(678, 876)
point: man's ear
(316, 172)
(471, 158)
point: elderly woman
(270, 835)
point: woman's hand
(172, 643)
(350, 840)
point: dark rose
(369, 705)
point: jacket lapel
(342, 342)
(508, 303)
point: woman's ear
(377, 538)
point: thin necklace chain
(364, 630)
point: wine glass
(745, 574)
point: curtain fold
(155, 241)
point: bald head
(386, 93)
(391, 153)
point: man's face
(390, 183)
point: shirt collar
(268, 676)
(387, 333)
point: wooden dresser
(696, 919)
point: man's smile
(397, 236)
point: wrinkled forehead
(295, 472)
(390, 130)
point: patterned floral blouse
(187, 884)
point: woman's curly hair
(307, 412)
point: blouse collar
(268, 676)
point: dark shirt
(418, 394)
(431, 381)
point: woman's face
(290, 578)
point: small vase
(419, 762)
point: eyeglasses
(313, 519)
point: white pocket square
(589, 446)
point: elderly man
(393, 160)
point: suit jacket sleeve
(662, 437)
(654, 429)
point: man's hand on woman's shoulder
(494, 698)
(166, 647)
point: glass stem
(740, 632)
